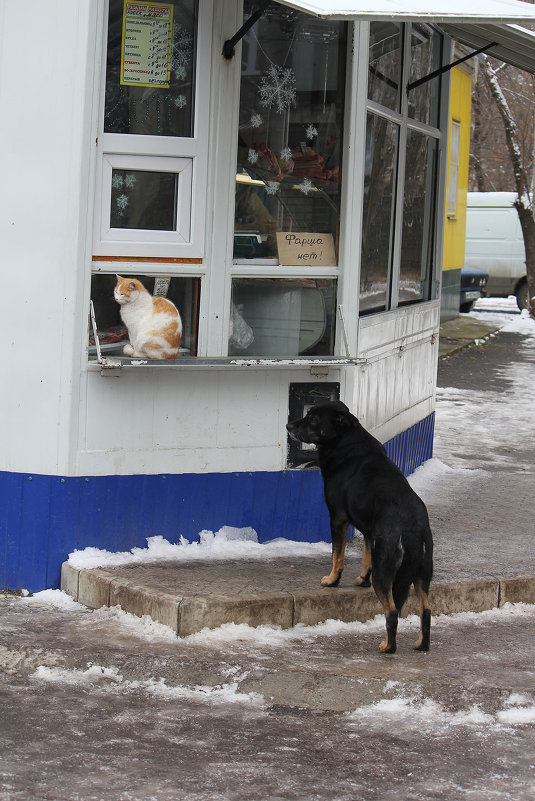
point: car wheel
(521, 295)
(466, 307)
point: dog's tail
(427, 558)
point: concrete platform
(189, 597)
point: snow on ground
(490, 421)
(110, 679)
(405, 712)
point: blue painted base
(45, 518)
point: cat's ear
(131, 286)
(118, 277)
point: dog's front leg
(339, 535)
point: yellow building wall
(460, 112)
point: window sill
(317, 365)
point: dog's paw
(363, 581)
(332, 580)
(385, 648)
(419, 645)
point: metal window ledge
(317, 366)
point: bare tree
(519, 143)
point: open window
(108, 334)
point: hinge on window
(228, 47)
(105, 364)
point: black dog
(365, 488)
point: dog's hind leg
(366, 566)
(423, 641)
(338, 534)
(387, 555)
(388, 645)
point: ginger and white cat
(154, 324)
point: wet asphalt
(95, 707)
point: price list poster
(146, 46)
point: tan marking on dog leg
(339, 548)
(389, 608)
(366, 566)
(423, 641)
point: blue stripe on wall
(44, 518)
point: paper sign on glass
(295, 249)
(147, 43)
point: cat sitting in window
(154, 324)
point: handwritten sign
(147, 42)
(305, 249)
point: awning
(513, 44)
(462, 11)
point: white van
(494, 243)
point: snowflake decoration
(272, 187)
(286, 154)
(307, 186)
(181, 52)
(180, 101)
(130, 180)
(312, 132)
(256, 121)
(117, 181)
(277, 89)
(122, 203)
(252, 157)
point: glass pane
(418, 217)
(385, 64)
(377, 225)
(113, 334)
(282, 318)
(150, 68)
(144, 200)
(290, 130)
(426, 45)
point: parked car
(473, 287)
(494, 243)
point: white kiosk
(282, 182)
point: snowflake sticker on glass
(277, 89)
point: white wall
(46, 89)
(396, 387)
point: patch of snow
(56, 598)
(110, 679)
(408, 712)
(226, 544)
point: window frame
(138, 151)
(404, 122)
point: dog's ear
(342, 421)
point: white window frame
(181, 155)
(181, 167)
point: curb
(187, 615)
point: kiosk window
(143, 199)
(150, 68)
(113, 334)
(290, 130)
(282, 318)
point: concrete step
(189, 597)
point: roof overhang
(486, 23)
(512, 44)
(478, 11)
